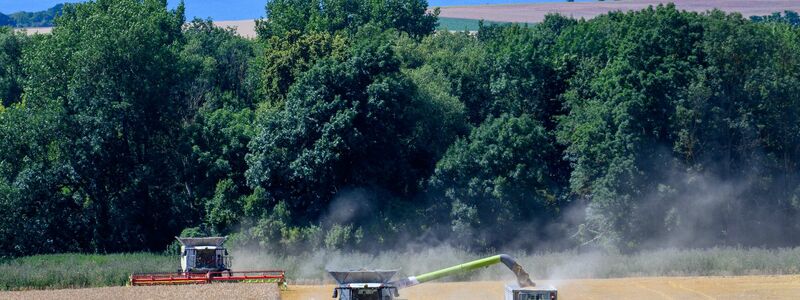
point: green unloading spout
(523, 279)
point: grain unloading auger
(205, 260)
(376, 284)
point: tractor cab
(201, 255)
(364, 285)
(514, 292)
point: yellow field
(703, 288)
(260, 291)
(739, 287)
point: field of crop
(736, 287)
(200, 291)
(684, 288)
(82, 271)
(310, 267)
(60, 271)
(719, 273)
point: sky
(226, 9)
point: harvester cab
(376, 284)
(514, 292)
(202, 255)
(364, 285)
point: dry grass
(261, 291)
(532, 13)
(740, 287)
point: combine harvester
(376, 284)
(205, 260)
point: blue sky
(224, 9)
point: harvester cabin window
(206, 258)
(367, 294)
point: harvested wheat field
(197, 291)
(738, 287)
(535, 12)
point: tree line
(355, 125)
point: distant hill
(32, 19)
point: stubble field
(199, 291)
(701, 288)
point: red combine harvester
(205, 260)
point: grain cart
(376, 284)
(205, 260)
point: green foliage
(113, 104)
(11, 75)
(459, 59)
(351, 126)
(351, 113)
(285, 16)
(788, 17)
(41, 213)
(497, 179)
(670, 107)
(288, 56)
(339, 237)
(220, 100)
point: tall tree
(500, 181)
(340, 123)
(11, 45)
(112, 68)
(285, 16)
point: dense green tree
(664, 124)
(42, 211)
(620, 107)
(340, 123)
(288, 56)
(458, 58)
(499, 180)
(285, 16)
(789, 17)
(111, 68)
(218, 121)
(11, 45)
(347, 125)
